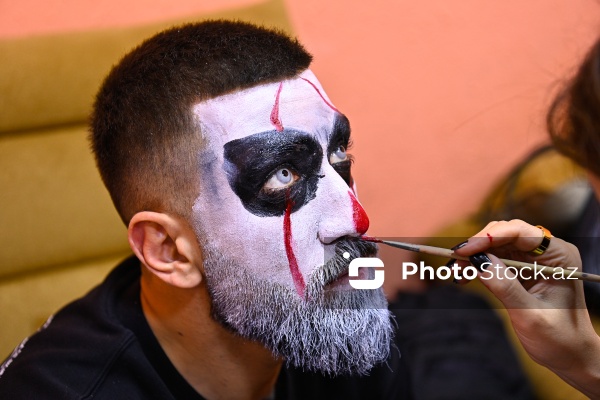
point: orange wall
(443, 95)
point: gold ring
(541, 249)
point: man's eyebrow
(340, 133)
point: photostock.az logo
(365, 262)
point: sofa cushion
(51, 80)
(56, 210)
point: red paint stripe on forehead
(275, 111)
(320, 94)
(289, 251)
(361, 220)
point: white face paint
(275, 214)
(253, 232)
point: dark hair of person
(144, 135)
(573, 119)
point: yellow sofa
(59, 233)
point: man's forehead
(299, 103)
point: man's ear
(167, 246)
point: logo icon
(365, 262)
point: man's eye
(338, 155)
(281, 179)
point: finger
(558, 254)
(503, 284)
(519, 234)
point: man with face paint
(228, 163)
(278, 171)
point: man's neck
(216, 363)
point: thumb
(505, 285)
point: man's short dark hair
(144, 136)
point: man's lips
(334, 273)
(342, 281)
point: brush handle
(546, 270)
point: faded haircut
(143, 134)
(573, 119)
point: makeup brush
(438, 251)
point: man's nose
(341, 212)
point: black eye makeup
(268, 170)
(337, 148)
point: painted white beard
(337, 332)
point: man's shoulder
(79, 350)
(47, 365)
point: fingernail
(480, 260)
(449, 264)
(460, 245)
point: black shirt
(102, 347)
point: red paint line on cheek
(361, 220)
(275, 111)
(491, 239)
(319, 92)
(287, 234)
